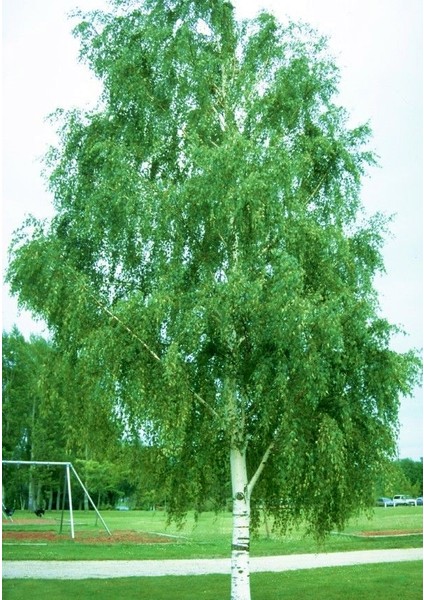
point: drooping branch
(144, 344)
(127, 328)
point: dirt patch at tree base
(86, 537)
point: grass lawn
(209, 537)
(367, 582)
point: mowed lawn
(367, 582)
(207, 537)
(210, 536)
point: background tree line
(46, 416)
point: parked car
(402, 500)
(385, 502)
(420, 501)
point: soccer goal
(68, 468)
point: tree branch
(128, 329)
(261, 467)
(320, 182)
(204, 403)
(145, 346)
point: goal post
(68, 469)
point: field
(368, 582)
(145, 535)
(138, 535)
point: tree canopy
(24, 384)
(209, 263)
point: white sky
(377, 45)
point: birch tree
(210, 265)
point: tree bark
(86, 507)
(240, 571)
(58, 497)
(39, 501)
(242, 490)
(31, 489)
(31, 482)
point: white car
(401, 500)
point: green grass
(368, 582)
(209, 537)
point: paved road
(106, 569)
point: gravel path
(106, 569)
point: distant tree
(99, 478)
(413, 472)
(394, 481)
(19, 394)
(29, 431)
(139, 475)
(46, 415)
(207, 265)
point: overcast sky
(376, 43)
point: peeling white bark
(240, 571)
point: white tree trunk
(240, 572)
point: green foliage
(413, 471)
(24, 382)
(26, 413)
(206, 273)
(32, 428)
(47, 416)
(406, 477)
(403, 476)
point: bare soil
(390, 533)
(86, 537)
(129, 537)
